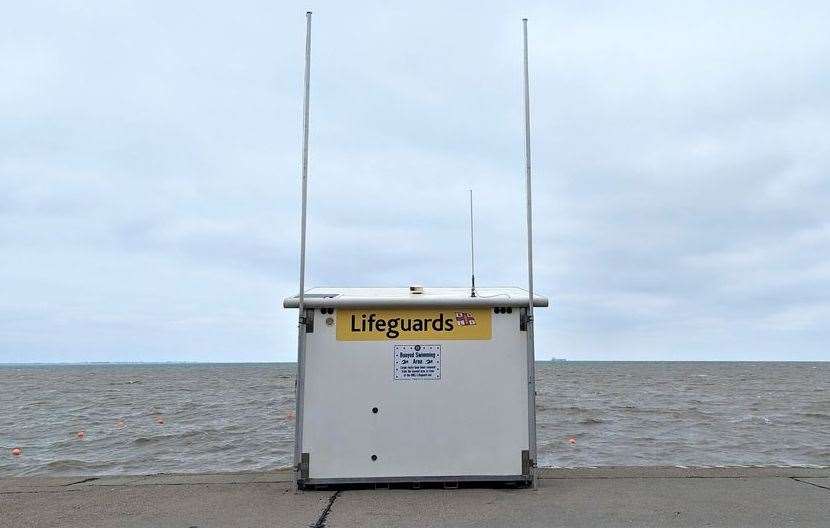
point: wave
(71, 464)
(821, 416)
(144, 440)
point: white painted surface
(398, 297)
(472, 421)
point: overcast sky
(149, 172)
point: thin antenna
(531, 356)
(298, 425)
(472, 250)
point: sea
(96, 419)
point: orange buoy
(572, 440)
(81, 434)
(120, 424)
(289, 415)
(16, 451)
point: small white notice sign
(417, 362)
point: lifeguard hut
(414, 384)
(405, 386)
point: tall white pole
(531, 356)
(301, 330)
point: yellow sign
(414, 324)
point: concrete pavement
(676, 497)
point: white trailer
(414, 387)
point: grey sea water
(238, 417)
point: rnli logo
(465, 319)
(376, 325)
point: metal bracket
(529, 469)
(524, 319)
(304, 463)
(308, 320)
(527, 463)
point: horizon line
(552, 360)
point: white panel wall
(471, 422)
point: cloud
(149, 160)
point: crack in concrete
(321, 520)
(90, 479)
(810, 483)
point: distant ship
(558, 360)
